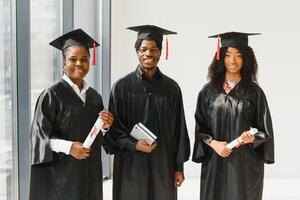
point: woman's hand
(107, 118)
(79, 152)
(220, 148)
(179, 178)
(245, 138)
(143, 146)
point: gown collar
(141, 74)
(75, 87)
(80, 95)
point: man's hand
(220, 148)
(179, 178)
(143, 146)
(79, 152)
(107, 118)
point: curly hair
(217, 70)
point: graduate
(229, 105)
(146, 95)
(61, 168)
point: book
(141, 132)
(235, 142)
(93, 133)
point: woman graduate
(227, 107)
(61, 168)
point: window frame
(22, 98)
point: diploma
(93, 133)
(141, 132)
(238, 140)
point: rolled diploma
(235, 142)
(93, 133)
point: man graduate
(61, 168)
(146, 95)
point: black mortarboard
(151, 32)
(73, 38)
(232, 39)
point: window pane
(45, 25)
(7, 66)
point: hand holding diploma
(143, 146)
(245, 138)
(79, 152)
(107, 119)
(104, 121)
(220, 148)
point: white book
(93, 133)
(141, 132)
(235, 142)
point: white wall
(191, 52)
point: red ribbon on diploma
(93, 131)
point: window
(46, 63)
(8, 167)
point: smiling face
(148, 54)
(233, 61)
(77, 63)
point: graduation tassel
(94, 54)
(218, 48)
(167, 49)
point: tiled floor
(274, 189)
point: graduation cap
(232, 39)
(151, 32)
(74, 38)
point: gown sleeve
(118, 136)
(41, 129)
(264, 139)
(201, 150)
(183, 144)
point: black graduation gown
(158, 105)
(61, 114)
(224, 117)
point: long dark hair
(217, 70)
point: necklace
(228, 86)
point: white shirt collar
(81, 93)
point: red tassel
(218, 48)
(167, 49)
(94, 53)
